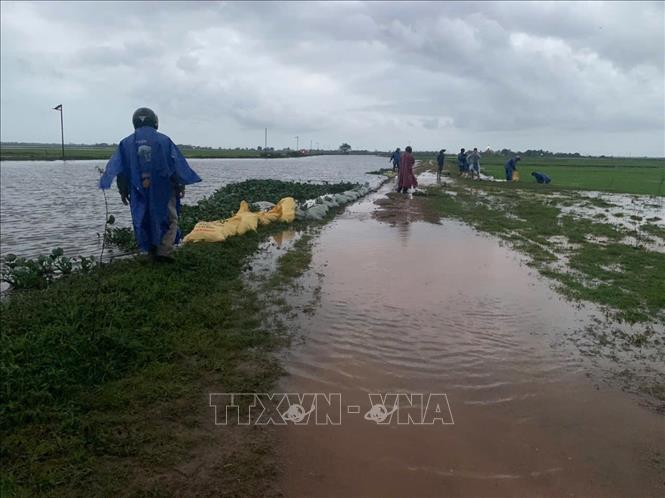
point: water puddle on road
(410, 306)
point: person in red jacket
(406, 178)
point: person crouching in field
(474, 163)
(541, 177)
(406, 178)
(440, 160)
(152, 174)
(510, 167)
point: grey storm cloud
(584, 77)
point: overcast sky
(585, 77)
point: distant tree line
(532, 153)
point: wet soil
(408, 304)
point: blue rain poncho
(395, 158)
(511, 164)
(541, 177)
(462, 163)
(149, 155)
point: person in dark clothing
(541, 177)
(406, 179)
(395, 158)
(510, 166)
(440, 160)
(462, 163)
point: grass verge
(621, 175)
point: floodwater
(409, 306)
(48, 204)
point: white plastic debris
(264, 205)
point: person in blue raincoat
(151, 176)
(395, 158)
(510, 166)
(541, 177)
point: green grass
(293, 263)
(103, 373)
(635, 176)
(618, 275)
(84, 360)
(9, 153)
(657, 230)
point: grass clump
(654, 229)
(633, 287)
(293, 263)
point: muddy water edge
(408, 304)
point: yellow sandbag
(244, 208)
(267, 217)
(288, 205)
(516, 176)
(203, 231)
(243, 221)
(213, 231)
(246, 222)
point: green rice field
(625, 175)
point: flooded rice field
(50, 204)
(624, 210)
(633, 213)
(410, 305)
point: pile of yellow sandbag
(243, 221)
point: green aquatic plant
(380, 171)
(121, 237)
(39, 273)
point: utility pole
(297, 142)
(310, 145)
(62, 129)
(265, 145)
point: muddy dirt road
(410, 306)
